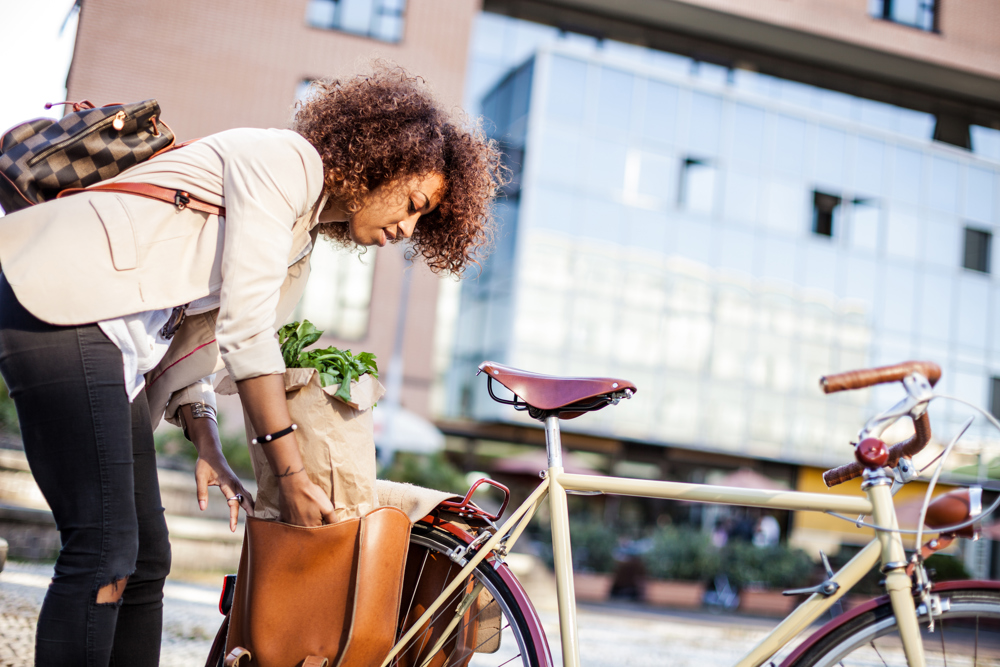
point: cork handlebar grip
(908, 448)
(872, 376)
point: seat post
(553, 443)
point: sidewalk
(611, 635)
(190, 617)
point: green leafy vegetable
(334, 365)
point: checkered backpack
(43, 159)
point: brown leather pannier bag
(326, 596)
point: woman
(116, 310)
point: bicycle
(917, 621)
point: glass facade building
(722, 238)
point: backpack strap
(178, 198)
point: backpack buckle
(181, 200)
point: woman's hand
(302, 503)
(212, 469)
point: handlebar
(906, 449)
(872, 376)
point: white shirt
(143, 347)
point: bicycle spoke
(416, 586)
(511, 660)
(445, 608)
(478, 613)
(944, 655)
(975, 647)
(875, 648)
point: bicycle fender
(848, 616)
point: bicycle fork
(897, 583)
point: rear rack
(467, 509)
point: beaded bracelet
(274, 436)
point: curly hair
(372, 130)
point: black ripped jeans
(91, 453)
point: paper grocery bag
(335, 439)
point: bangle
(199, 411)
(274, 436)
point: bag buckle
(181, 200)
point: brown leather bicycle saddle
(549, 392)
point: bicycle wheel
(495, 630)
(966, 633)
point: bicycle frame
(887, 546)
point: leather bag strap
(219, 645)
(178, 198)
(382, 548)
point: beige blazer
(98, 256)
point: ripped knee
(112, 593)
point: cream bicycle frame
(887, 546)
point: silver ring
(238, 498)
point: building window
(995, 397)
(378, 19)
(915, 13)
(696, 191)
(825, 209)
(977, 250)
(338, 295)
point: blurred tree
(174, 451)
(8, 413)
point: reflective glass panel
(864, 229)
(902, 234)
(898, 299)
(785, 206)
(567, 89)
(741, 195)
(706, 122)
(934, 315)
(985, 141)
(697, 187)
(559, 160)
(831, 146)
(657, 176)
(607, 165)
(944, 184)
(614, 105)
(748, 133)
(660, 115)
(906, 175)
(979, 194)
(789, 144)
(942, 242)
(868, 166)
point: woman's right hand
(302, 503)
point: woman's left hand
(212, 469)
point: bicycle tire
(518, 644)
(966, 633)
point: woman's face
(392, 210)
